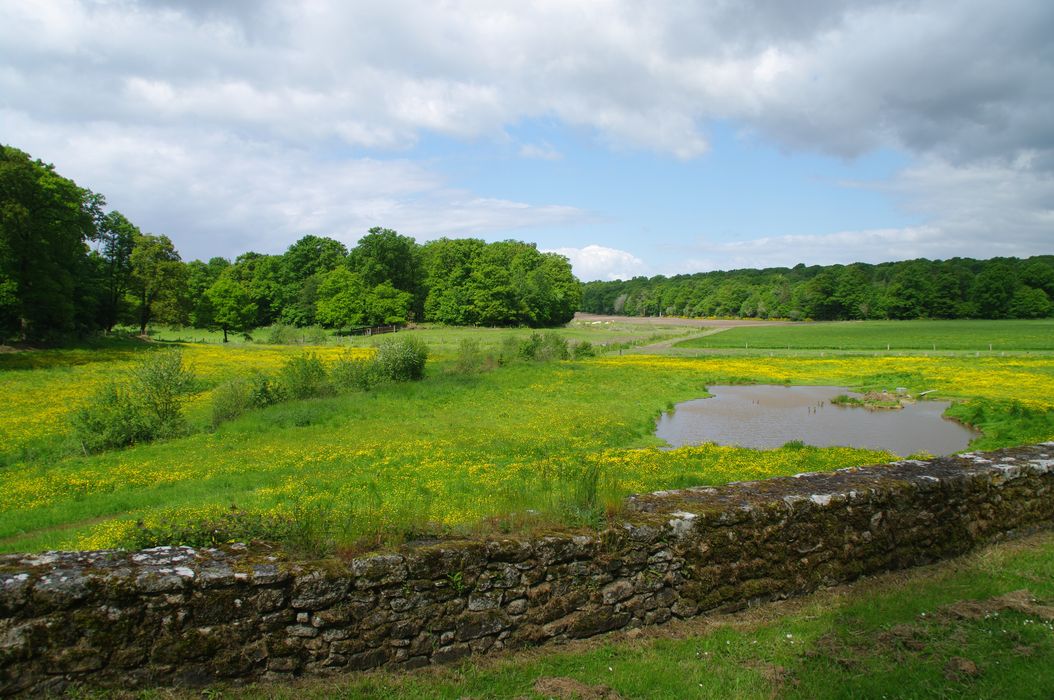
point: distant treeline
(68, 267)
(956, 288)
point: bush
(509, 350)
(281, 334)
(355, 373)
(401, 358)
(230, 400)
(110, 419)
(148, 406)
(469, 357)
(160, 383)
(583, 350)
(263, 391)
(285, 334)
(314, 335)
(303, 377)
(544, 347)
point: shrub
(355, 373)
(509, 350)
(110, 419)
(303, 377)
(582, 350)
(401, 358)
(469, 357)
(263, 391)
(544, 347)
(230, 400)
(160, 383)
(281, 334)
(147, 406)
(528, 348)
(314, 335)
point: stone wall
(175, 615)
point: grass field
(443, 340)
(449, 453)
(891, 636)
(978, 336)
(524, 446)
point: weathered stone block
(316, 590)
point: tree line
(69, 267)
(955, 288)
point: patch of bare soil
(570, 689)
(1021, 601)
(777, 677)
(958, 669)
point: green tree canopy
(116, 240)
(157, 280)
(341, 299)
(45, 223)
(233, 308)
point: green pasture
(528, 445)
(443, 340)
(431, 456)
(455, 451)
(979, 336)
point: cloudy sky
(635, 138)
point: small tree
(401, 358)
(157, 275)
(232, 306)
(144, 406)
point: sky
(634, 138)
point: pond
(763, 416)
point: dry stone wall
(180, 616)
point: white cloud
(543, 151)
(956, 78)
(219, 119)
(597, 262)
(871, 246)
(217, 195)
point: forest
(70, 268)
(911, 289)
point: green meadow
(490, 441)
(483, 442)
(979, 336)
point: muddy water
(764, 416)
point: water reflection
(764, 416)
